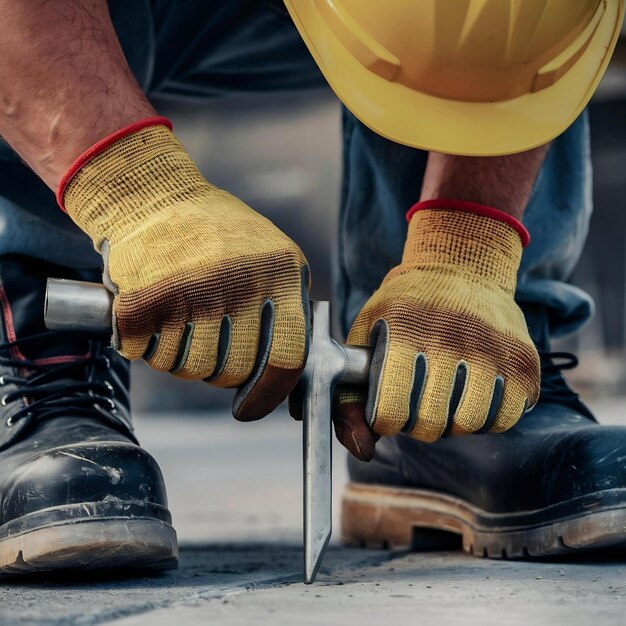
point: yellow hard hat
(472, 77)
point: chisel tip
(313, 558)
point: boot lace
(57, 390)
(554, 387)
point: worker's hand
(451, 350)
(205, 288)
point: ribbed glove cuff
(480, 242)
(472, 207)
(119, 185)
(101, 146)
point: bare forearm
(64, 81)
(504, 182)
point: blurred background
(282, 155)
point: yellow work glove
(451, 349)
(205, 288)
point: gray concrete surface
(235, 493)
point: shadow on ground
(206, 571)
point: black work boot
(76, 490)
(555, 483)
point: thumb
(351, 428)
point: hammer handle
(74, 305)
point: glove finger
(201, 351)
(163, 350)
(438, 401)
(514, 404)
(281, 356)
(350, 425)
(131, 333)
(237, 349)
(472, 396)
(349, 421)
(396, 381)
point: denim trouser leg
(383, 179)
(182, 49)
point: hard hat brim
(424, 121)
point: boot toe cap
(585, 462)
(84, 474)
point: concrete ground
(235, 493)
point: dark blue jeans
(185, 49)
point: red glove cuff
(471, 207)
(102, 145)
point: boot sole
(421, 520)
(117, 543)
